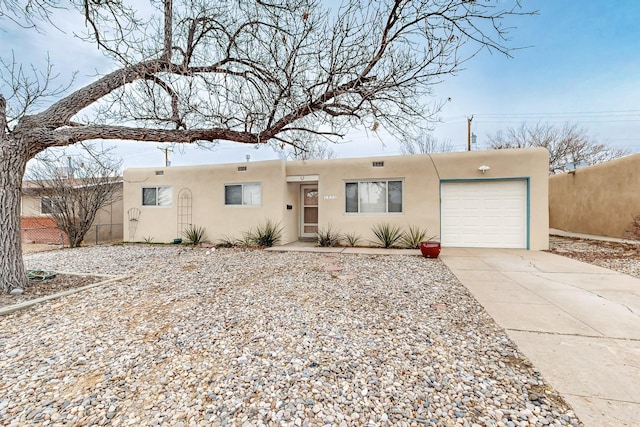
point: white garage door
(484, 214)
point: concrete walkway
(579, 324)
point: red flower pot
(430, 249)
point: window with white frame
(373, 196)
(157, 196)
(243, 194)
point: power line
(603, 113)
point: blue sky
(582, 66)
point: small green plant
(386, 234)
(194, 234)
(227, 242)
(148, 239)
(247, 239)
(266, 235)
(351, 239)
(328, 236)
(411, 239)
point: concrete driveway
(579, 324)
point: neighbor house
(496, 198)
(602, 199)
(38, 226)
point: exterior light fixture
(484, 168)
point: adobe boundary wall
(601, 200)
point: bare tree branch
(76, 187)
(424, 143)
(568, 145)
(258, 72)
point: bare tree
(76, 187)
(567, 145)
(310, 151)
(424, 143)
(249, 71)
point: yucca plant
(411, 239)
(351, 239)
(328, 236)
(194, 234)
(267, 234)
(387, 234)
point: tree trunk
(13, 159)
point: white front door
(309, 210)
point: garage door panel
(484, 214)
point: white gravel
(239, 337)
(621, 257)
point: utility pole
(469, 119)
(166, 155)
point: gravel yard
(241, 337)
(622, 257)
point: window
(48, 207)
(157, 196)
(373, 197)
(242, 194)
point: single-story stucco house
(38, 226)
(495, 198)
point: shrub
(194, 234)
(328, 237)
(227, 242)
(267, 234)
(352, 239)
(411, 239)
(633, 230)
(387, 234)
(247, 239)
(147, 240)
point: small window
(48, 207)
(373, 197)
(242, 194)
(157, 196)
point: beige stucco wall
(30, 205)
(600, 199)
(421, 175)
(206, 184)
(108, 222)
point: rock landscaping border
(29, 303)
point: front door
(309, 211)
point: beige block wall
(206, 184)
(421, 175)
(600, 199)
